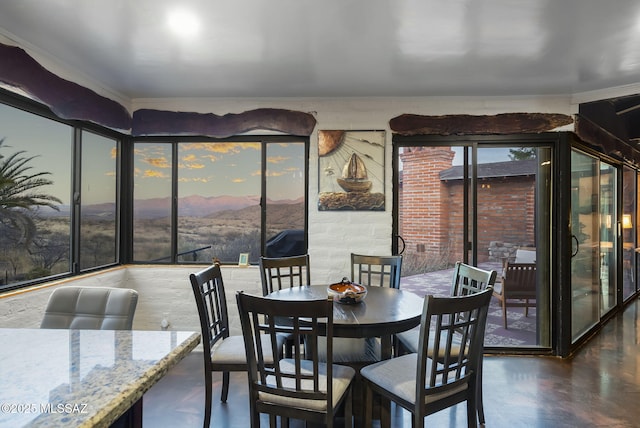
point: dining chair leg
(385, 413)
(368, 406)
(208, 392)
(225, 387)
(479, 401)
(348, 410)
(504, 314)
(472, 410)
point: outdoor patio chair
(444, 371)
(517, 289)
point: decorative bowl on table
(347, 292)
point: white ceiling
(335, 48)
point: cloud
(160, 162)
(194, 180)
(192, 165)
(277, 159)
(155, 174)
(221, 147)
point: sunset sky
(206, 169)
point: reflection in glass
(608, 236)
(585, 231)
(98, 229)
(35, 240)
(628, 232)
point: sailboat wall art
(351, 170)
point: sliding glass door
(629, 221)
(594, 228)
(486, 203)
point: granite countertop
(83, 378)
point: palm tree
(20, 194)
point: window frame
(16, 101)
(174, 141)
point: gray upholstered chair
(222, 351)
(299, 387)
(444, 371)
(91, 308)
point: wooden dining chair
(466, 280)
(299, 387)
(444, 371)
(222, 352)
(91, 308)
(383, 271)
(277, 273)
(370, 271)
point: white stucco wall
(333, 235)
(164, 291)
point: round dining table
(384, 312)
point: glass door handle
(403, 244)
(574, 253)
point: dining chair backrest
(469, 279)
(91, 308)
(519, 281)
(445, 371)
(298, 387)
(208, 290)
(451, 338)
(383, 271)
(277, 273)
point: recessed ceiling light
(183, 23)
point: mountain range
(189, 206)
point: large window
(152, 202)
(35, 216)
(58, 196)
(231, 197)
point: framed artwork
(351, 170)
(244, 259)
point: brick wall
(432, 209)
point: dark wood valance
(158, 122)
(68, 100)
(465, 124)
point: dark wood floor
(599, 387)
